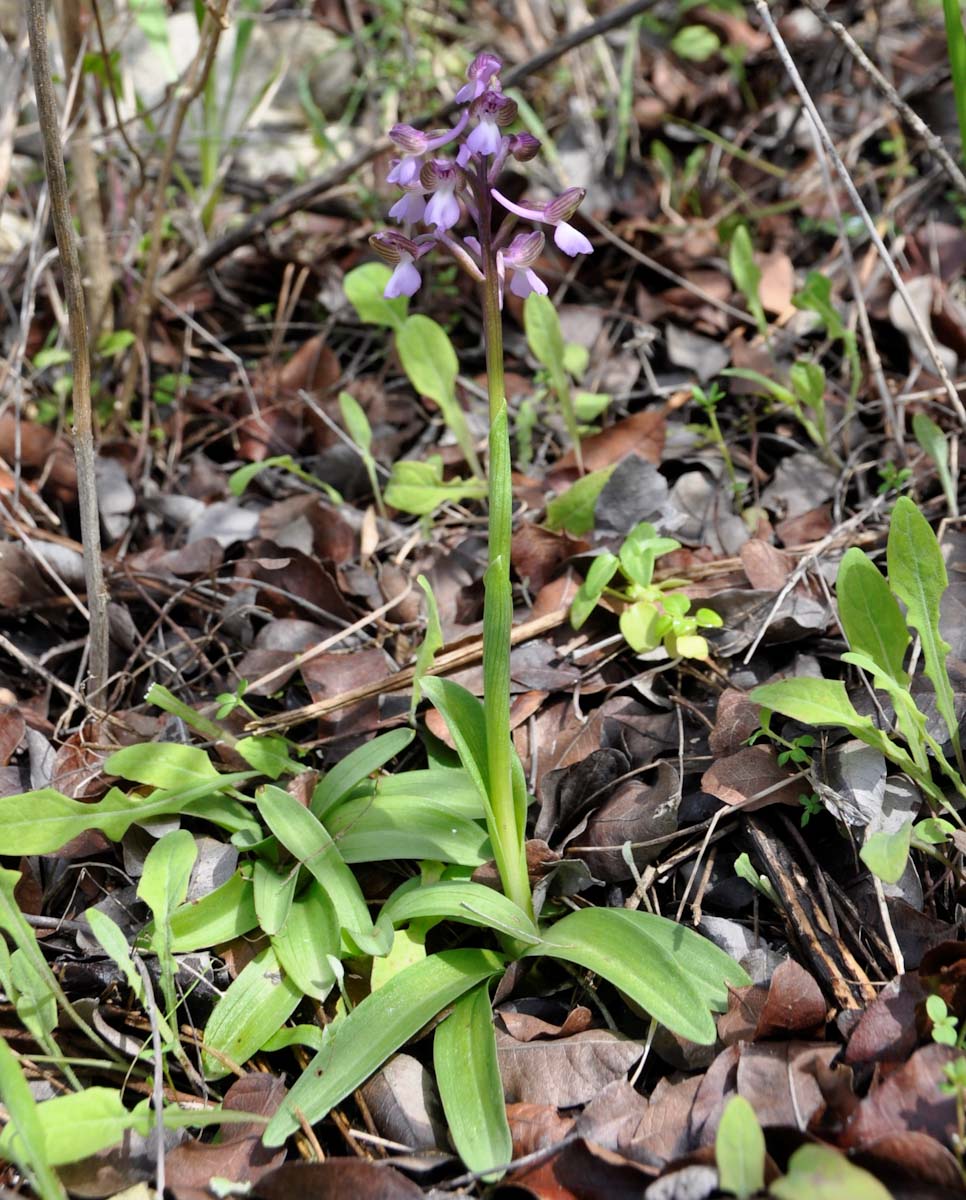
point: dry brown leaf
(752, 778)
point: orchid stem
(508, 809)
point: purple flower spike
(479, 73)
(441, 177)
(493, 111)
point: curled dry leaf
(791, 1003)
(565, 1072)
(734, 723)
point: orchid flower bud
(520, 256)
(479, 73)
(524, 146)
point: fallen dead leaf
(753, 779)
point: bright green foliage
(956, 42)
(359, 430)
(945, 1027)
(816, 297)
(696, 43)
(431, 644)
(821, 1173)
(24, 1139)
(419, 487)
(364, 286)
(656, 613)
(878, 631)
(573, 509)
(933, 442)
(739, 1150)
(804, 399)
(468, 1077)
(746, 272)
(239, 480)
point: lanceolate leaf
(870, 615)
(77, 1125)
(308, 940)
(739, 1150)
(886, 854)
(917, 575)
(168, 765)
(378, 828)
(473, 903)
(672, 972)
(253, 1009)
(23, 1139)
(468, 1076)
(357, 766)
(821, 702)
(225, 913)
(306, 837)
(466, 721)
(362, 1041)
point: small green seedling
(708, 402)
(934, 445)
(893, 478)
(358, 428)
(816, 297)
(804, 398)
(656, 614)
(879, 633)
(811, 807)
(747, 275)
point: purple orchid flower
(401, 253)
(410, 207)
(520, 256)
(571, 241)
(441, 176)
(414, 143)
(492, 110)
(480, 72)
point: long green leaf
(356, 767)
(917, 575)
(671, 972)
(468, 1076)
(77, 1125)
(466, 722)
(821, 702)
(362, 1041)
(870, 615)
(42, 822)
(472, 903)
(23, 1139)
(308, 941)
(377, 829)
(307, 838)
(227, 912)
(253, 1009)
(273, 890)
(169, 765)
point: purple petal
(463, 156)
(485, 139)
(530, 214)
(571, 241)
(404, 281)
(405, 171)
(409, 208)
(474, 244)
(522, 283)
(443, 210)
(470, 91)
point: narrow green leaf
(933, 441)
(466, 722)
(870, 616)
(36, 1005)
(886, 854)
(472, 903)
(23, 1140)
(917, 575)
(468, 1076)
(227, 912)
(739, 1150)
(671, 972)
(355, 421)
(432, 642)
(273, 890)
(251, 1011)
(357, 766)
(376, 1028)
(304, 836)
(113, 942)
(380, 829)
(419, 487)
(268, 755)
(364, 287)
(308, 940)
(741, 255)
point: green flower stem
(507, 832)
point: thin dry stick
(189, 91)
(301, 197)
(841, 170)
(80, 355)
(908, 114)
